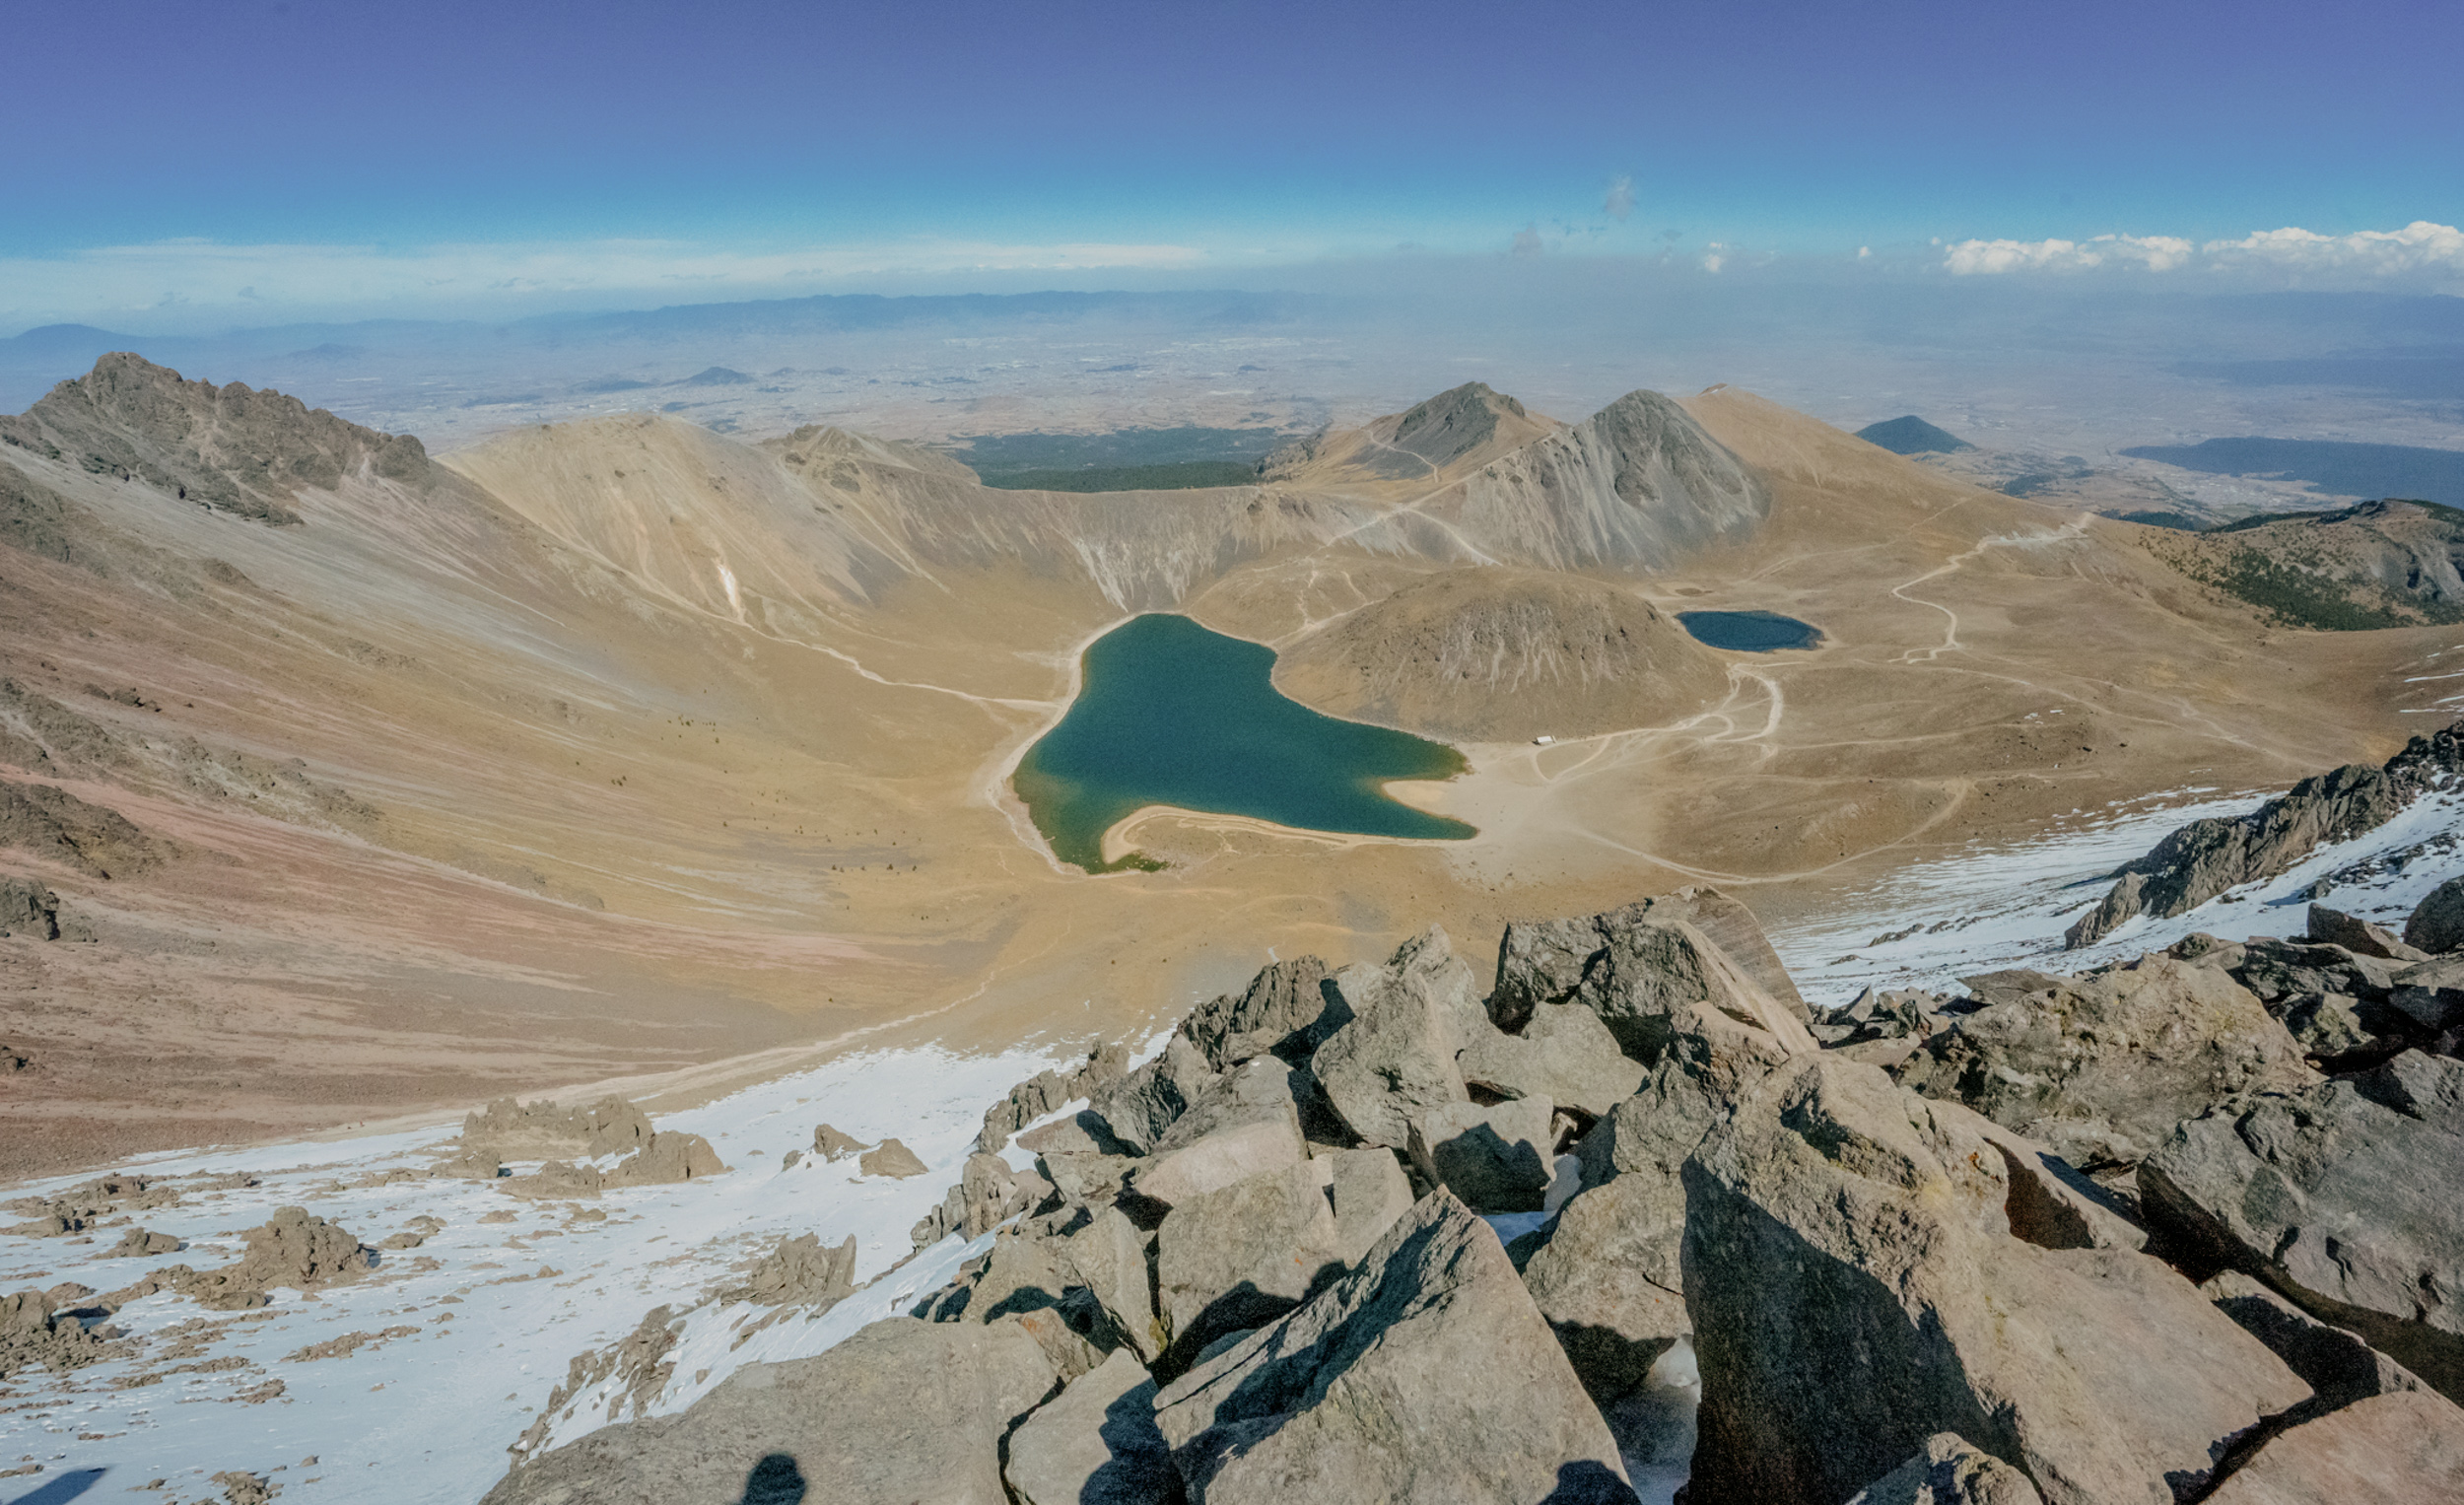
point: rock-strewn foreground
(1266, 1265)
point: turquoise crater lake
(1171, 713)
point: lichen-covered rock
(2346, 1197)
(1856, 1287)
(1424, 1376)
(2101, 1067)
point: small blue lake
(1749, 631)
(1171, 713)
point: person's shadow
(66, 1487)
(775, 1481)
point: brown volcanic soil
(624, 750)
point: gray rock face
(1095, 1443)
(1108, 1257)
(2101, 1067)
(1608, 1284)
(2437, 922)
(1141, 1105)
(903, 1410)
(2401, 1449)
(1395, 1058)
(2346, 1197)
(1855, 1288)
(1046, 1092)
(1253, 1146)
(1496, 1159)
(1423, 1376)
(1564, 1055)
(1949, 1471)
(1546, 961)
(1245, 1254)
(2337, 1366)
(29, 908)
(1284, 1007)
(2335, 927)
(1650, 977)
(2205, 858)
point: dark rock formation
(96, 840)
(2437, 921)
(2205, 858)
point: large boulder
(2437, 921)
(890, 1158)
(2346, 1197)
(1095, 1443)
(1393, 1059)
(903, 1410)
(1607, 1281)
(1648, 973)
(1497, 1159)
(1137, 1108)
(1246, 1147)
(1284, 1008)
(1245, 1254)
(1546, 961)
(2337, 1366)
(802, 1271)
(668, 1158)
(1424, 1376)
(2335, 927)
(1108, 1257)
(1856, 1287)
(1564, 1055)
(1951, 1470)
(2401, 1449)
(2101, 1067)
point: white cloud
(1715, 258)
(1620, 200)
(2418, 248)
(203, 275)
(2420, 253)
(1526, 240)
(2154, 253)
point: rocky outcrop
(2339, 1366)
(1393, 1059)
(543, 1129)
(36, 1332)
(2205, 858)
(2400, 1449)
(1138, 1107)
(902, 1411)
(830, 1144)
(2101, 1067)
(31, 909)
(801, 1272)
(2436, 924)
(1425, 1375)
(1094, 1444)
(892, 1159)
(665, 1159)
(2346, 1197)
(1553, 961)
(1855, 1288)
(96, 840)
(1497, 1158)
(1950, 1472)
(1564, 1056)
(1284, 1009)
(1044, 1093)
(227, 448)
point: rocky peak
(227, 448)
(1453, 423)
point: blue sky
(192, 161)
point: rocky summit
(1636, 1212)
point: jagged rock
(471, 1164)
(2429, 996)
(1497, 1159)
(1141, 1105)
(801, 1272)
(36, 1332)
(2437, 921)
(1256, 1146)
(1095, 1443)
(990, 1193)
(1027, 1279)
(96, 840)
(1081, 1133)
(2337, 1366)
(2052, 1203)
(1950, 1472)
(1564, 1055)
(1087, 1178)
(902, 1411)
(556, 1181)
(1109, 1258)
(890, 1158)
(1370, 1192)
(830, 1144)
(1900, 1014)
(1394, 1058)
(2401, 1449)
(139, 1241)
(1425, 1375)
(1856, 1287)
(2202, 860)
(2335, 927)
(1607, 1284)
(1284, 1007)
(1046, 1092)
(1245, 1254)
(670, 1157)
(1548, 961)
(2346, 1197)
(2101, 1067)
(541, 1130)
(296, 1250)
